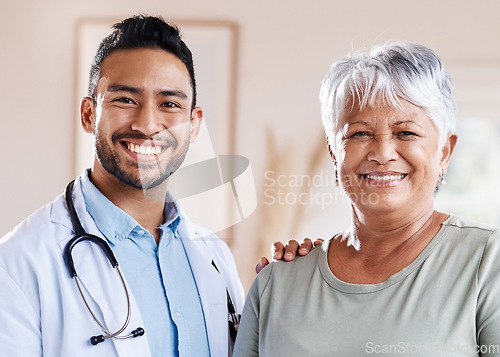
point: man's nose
(148, 120)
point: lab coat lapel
(211, 288)
(104, 289)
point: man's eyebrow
(124, 88)
(134, 90)
(173, 93)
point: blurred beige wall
(285, 48)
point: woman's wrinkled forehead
(355, 105)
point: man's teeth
(385, 177)
(144, 150)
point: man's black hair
(142, 32)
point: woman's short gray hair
(385, 75)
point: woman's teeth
(385, 177)
(144, 150)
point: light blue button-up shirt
(159, 276)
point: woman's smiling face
(390, 159)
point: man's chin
(142, 177)
(138, 181)
(143, 184)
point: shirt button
(178, 314)
(140, 232)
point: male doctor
(141, 110)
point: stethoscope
(80, 236)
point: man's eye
(171, 105)
(124, 100)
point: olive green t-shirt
(445, 303)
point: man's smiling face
(143, 122)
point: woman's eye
(406, 134)
(360, 134)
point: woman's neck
(385, 247)
(387, 231)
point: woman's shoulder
(300, 263)
(464, 227)
(283, 273)
(463, 222)
(466, 235)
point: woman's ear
(332, 155)
(336, 172)
(87, 114)
(447, 150)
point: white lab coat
(42, 313)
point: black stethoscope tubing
(80, 236)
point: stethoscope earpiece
(94, 340)
(138, 332)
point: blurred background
(267, 73)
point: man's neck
(145, 206)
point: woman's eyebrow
(404, 122)
(362, 122)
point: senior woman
(404, 278)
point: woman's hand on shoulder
(289, 251)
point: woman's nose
(383, 149)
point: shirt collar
(114, 223)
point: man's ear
(87, 114)
(195, 123)
(447, 150)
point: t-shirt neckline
(350, 288)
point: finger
(291, 248)
(277, 250)
(305, 246)
(263, 263)
(318, 241)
